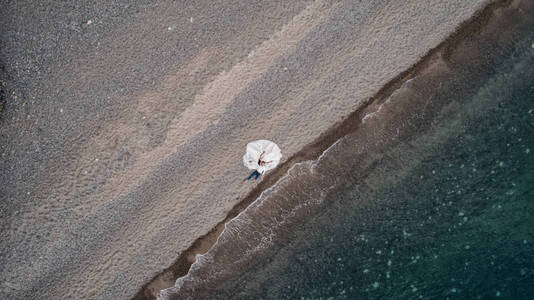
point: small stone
(532, 45)
(376, 285)
(365, 271)
(498, 294)
(89, 22)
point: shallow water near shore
(431, 198)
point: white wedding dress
(272, 155)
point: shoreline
(313, 150)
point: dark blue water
(432, 198)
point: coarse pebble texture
(124, 122)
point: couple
(261, 163)
(261, 156)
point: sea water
(433, 197)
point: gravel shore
(123, 124)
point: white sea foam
(315, 162)
(240, 222)
(232, 228)
(388, 100)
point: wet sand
(123, 126)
